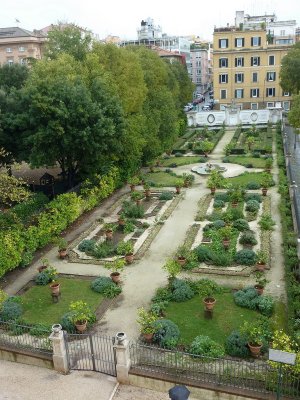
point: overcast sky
(123, 17)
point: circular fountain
(205, 169)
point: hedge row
(18, 244)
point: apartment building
(247, 60)
(199, 69)
(17, 45)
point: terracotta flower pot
(260, 266)
(212, 191)
(109, 234)
(264, 191)
(259, 289)
(138, 202)
(55, 287)
(132, 188)
(148, 337)
(255, 349)
(234, 204)
(147, 192)
(226, 243)
(129, 258)
(115, 277)
(81, 326)
(209, 303)
(62, 253)
(178, 189)
(181, 261)
(42, 268)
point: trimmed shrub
(245, 257)
(253, 196)
(205, 287)
(247, 298)
(103, 250)
(66, 322)
(181, 291)
(203, 253)
(87, 245)
(166, 196)
(162, 294)
(105, 286)
(43, 278)
(241, 225)
(167, 333)
(253, 186)
(218, 204)
(10, 311)
(266, 305)
(222, 196)
(252, 205)
(218, 224)
(40, 330)
(236, 345)
(221, 258)
(248, 237)
(204, 346)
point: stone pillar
(60, 359)
(122, 359)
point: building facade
(199, 69)
(17, 45)
(247, 60)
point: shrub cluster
(167, 333)
(245, 257)
(249, 298)
(106, 287)
(205, 346)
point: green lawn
(189, 316)
(38, 305)
(180, 161)
(245, 178)
(162, 179)
(244, 160)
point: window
(8, 50)
(223, 43)
(22, 49)
(271, 76)
(223, 107)
(223, 78)
(255, 41)
(223, 94)
(286, 105)
(223, 62)
(282, 32)
(254, 92)
(254, 106)
(271, 60)
(239, 93)
(285, 93)
(270, 92)
(22, 61)
(239, 61)
(239, 78)
(198, 71)
(255, 61)
(10, 61)
(254, 77)
(270, 104)
(239, 42)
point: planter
(254, 349)
(132, 188)
(109, 234)
(209, 303)
(178, 189)
(206, 240)
(260, 266)
(55, 288)
(115, 277)
(81, 326)
(234, 204)
(259, 289)
(181, 261)
(129, 258)
(138, 202)
(226, 243)
(147, 192)
(42, 268)
(148, 337)
(264, 191)
(121, 221)
(212, 191)
(62, 253)
(186, 184)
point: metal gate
(91, 353)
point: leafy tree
(290, 70)
(12, 190)
(13, 76)
(294, 116)
(69, 39)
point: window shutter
(274, 76)
(251, 61)
(243, 42)
(235, 42)
(235, 78)
(235, 62)
(258, 60)
(219, 43)
(252, 41)
(257, 92)
(259, 41)
(220, 62)
(220, 79)
(226, 42)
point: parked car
(207, 107)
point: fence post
(60, 358)
(122, 358)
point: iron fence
(256, 376)
(31, 338)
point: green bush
(162, 294)
(103, 250)
(46, 276)
(87, 245)
(26, 210)
(232, 215)
(40, 330)
(218, 224)
(253, 186)
(252, 205)
(266, 305)
(106, 287)
(164, 196)
(266, 222)
(236, 345)
(247, 298)
(222, 196)
(167, 333)
(245, 257)
(241, 225)
(66, 322)
(10, 311)
(221, 258)
(131, 210)
(204, 346)
(218, 204)
(203, 253)
(205, 287)
(248, 237)
(181, 291)
(253, 196)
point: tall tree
(290, 70)
(294, 117)
(13, 76)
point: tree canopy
(290, 70)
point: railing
(255, 376)
(19, 337)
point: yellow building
(246, 66)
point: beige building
(17, 45)
(246, 66)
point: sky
(123, 17)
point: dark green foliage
(40, 330)
(87, 245)
(266, 222)
(218, 224)
(252, 185)
(162, 294)
(166, 196)
(27, 209)
(181, 291)
(245, 257)
(236, 345)
(241, 225)
(106, 287)
(205, 287)
(43, 278)
(203, 253)
(266, 305)
(103, 250)
(66, 322)
(221, 258)
(167, 333)
(247, 297)
(253, 196)
(218, 204)
(233, 214)
(131, 210)
(159, 307)
(252, 205)
(204, 346)
(10, 311)
(248, 237)
(222, 196)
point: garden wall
(23, 357)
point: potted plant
(206, 147)
(236, 194)
(62, 247)
(137, 197)
(45, 264)
(173, 268)
(109, 229)
(261, 260)
(209, 302)
(81, 314)
(178, 185)
(147, 190)
(266, 182)
(268, 164)
(215, 180)
(250, 141)
(261, 282)
(182, 254)
(146, 320)
(133, 182)
(254, 335)
(225, 234)
(125, 248)
(54, 284)
(187, 179)
(122, 219)
(116, 267)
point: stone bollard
(122, 358)
(60, 359)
